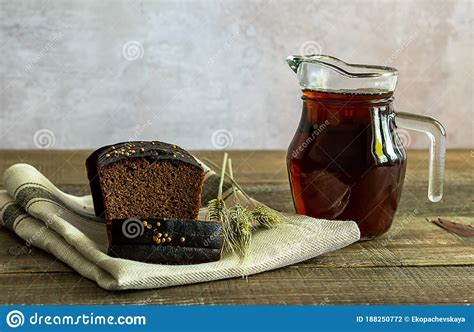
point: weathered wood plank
(298, 284)
(67, 166)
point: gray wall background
(211, 74)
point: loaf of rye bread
(143, 180)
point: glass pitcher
(346, 160)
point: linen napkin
(65, 226)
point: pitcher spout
(294, 62)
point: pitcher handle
(437, 134)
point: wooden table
(416, 262)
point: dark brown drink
(345, 161)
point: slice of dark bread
(166, 241)
(141, 179)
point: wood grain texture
(291, 285)
(415, 262)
